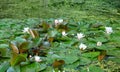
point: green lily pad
(33, 67)
(91, 55)
(93, 68)
(84, 61)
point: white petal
(37, 58)
(64, 33)
(26, 30)
(56, 21)
(60, 20)
(99, 43)
(108, 30)
(82, 46)
(80, 35)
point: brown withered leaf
(51, 39)
(58, 63)
(14, 47)
(102, 56)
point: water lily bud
(108, 30)
(80, 35)
(99, 43)
(82, 46)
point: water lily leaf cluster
(60, 45)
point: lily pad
(91, 55)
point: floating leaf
(69, 60)
(91, 55)
(58, 63)
(20, 40)
(74, 65)
(93, 68)
(102, 55)
(84, 61)
(101, 39)
(114, 52)
(33, 67)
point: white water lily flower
(82, 46)
(56, 22)
(64, 33)
(80, 35)
(108, 30)
(37, 59)
(99, 43)
(26, 30)
(60, 20)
